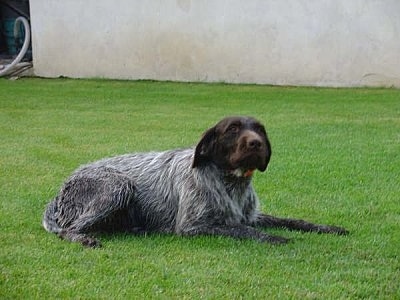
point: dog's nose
(254, 144)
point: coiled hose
(16, 66)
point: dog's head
(235, 144)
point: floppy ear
(268, 152)
(204, 148)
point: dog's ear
(268, 152)
(204, 148)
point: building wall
(284, 42)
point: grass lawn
(336, 160)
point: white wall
(288, 42)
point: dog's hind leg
(89, 199)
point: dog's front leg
(237, 232)
(264, 220)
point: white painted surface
(286, 42)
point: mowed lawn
(336, 160)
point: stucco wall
(289, 42)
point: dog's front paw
(331, 229)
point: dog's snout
(254, 144)
(251, 141)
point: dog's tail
(50, 218)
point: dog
(203, 190)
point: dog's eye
(234, 128)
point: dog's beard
(245, 164)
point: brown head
(235, 144)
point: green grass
(336, 159)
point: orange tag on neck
(248, 173)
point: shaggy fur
(201, 190)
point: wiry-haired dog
(201, 190)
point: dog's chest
(241, 205)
